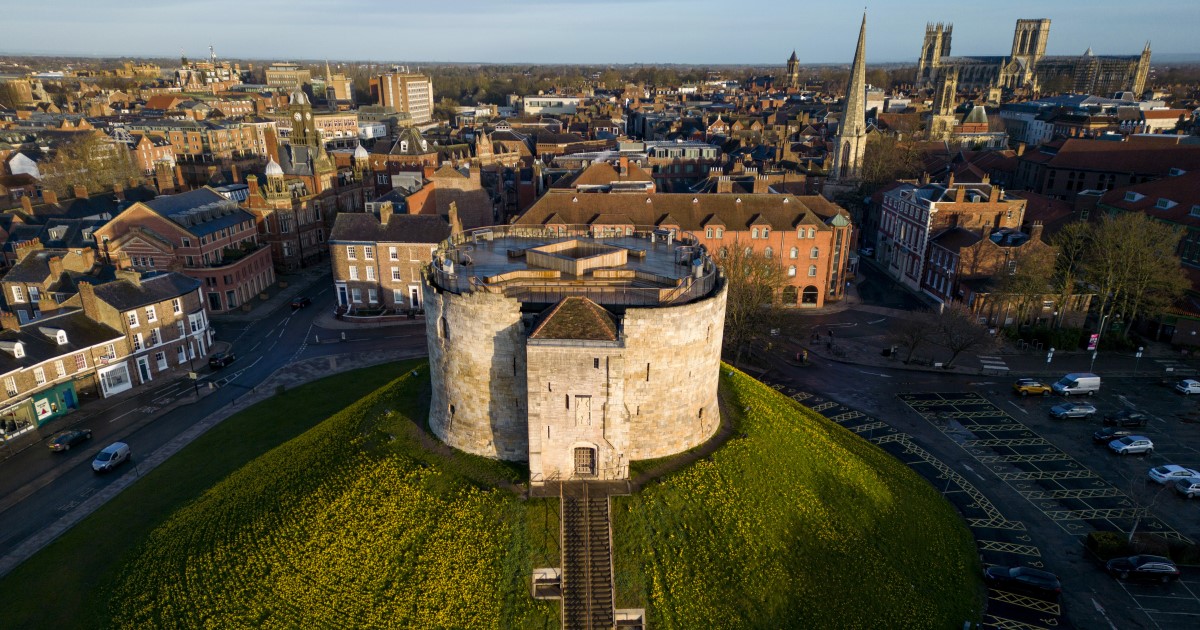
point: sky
(579, 31)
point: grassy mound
(796, 523)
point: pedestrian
(804, 356)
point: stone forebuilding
(1028, 66)
(575, 348)
(851, 142)
(809, 236)
(199, 233)
(377, 259)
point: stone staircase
(587, 586)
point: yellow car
(1027, 386)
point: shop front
(114, 379)
(55, 402)
(17, 418)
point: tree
(1132, 262)
(958, 330)
(911, 333)
(1028, 279)
(445, 109)
(751, 305)
(1072, 242)
(888, 158)
(92, 160)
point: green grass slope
(795, 523)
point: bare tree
(1132, 261)
(1028, 279)
(752, 305)
(958, 330)
(92, 160)
(912, 333)
(887, 159)
(1072, 241)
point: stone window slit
(647, 372)
(567, 397)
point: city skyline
(541, 31)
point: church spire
(852, 131)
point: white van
(1077, 383)
(111, 457)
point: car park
(1034, 581)
(1187, 488)
(1132, 444)
(64, 440)
(1108, 434)
(1171, 472)
(1072, 410)
(1188, 386)
(1027, 386)
(112, 456)
(1077, 384)
(1144, 567)
(220, 360)
(1126, 418)
(301, 301)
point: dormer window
(15, 348)
(1133, 196)
(1176, 172)
(57, 334)
(403, 146)
(1164, 204)
(1195, 211)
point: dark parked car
(1126, 418)
(220, 360)
(301, 302)
(1042, 583)
(1106, 435)
(65, 440)
(1143, 567)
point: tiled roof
(174, 206)
(360, 227)
(1182, 190)
(81, 331)
(735, 211)
(576, 317)
(124, 295)
(1125, 157)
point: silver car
(1072, 410)
(1132, 444)
(1188, 488)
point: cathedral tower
(1029, 39)
(793, 71)
(935, 46)
(941, 123)
(852, 131)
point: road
(38, 486)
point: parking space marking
(849, 415)
(1002, 623)
(868, 427)
(1007, 547)
(1025, 601)
(823, 406)
(1099, 493)
(1007, 442)
(1008, 459)
(1049, 475)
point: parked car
(301, 301)
(1126, 418)
(1025, 579)
(1027, 386)
(220, 360)
(1143, 567)
(1106, 435)
(65, 440)
(1171, 472)
(1132, 444)
(1189, 488)
(112, 456)
(1188, 387)
(1072, 410)
(1077, 384)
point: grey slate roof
(356, 227)
(174, 206)
(81, 333)
(124, 295)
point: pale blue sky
(580, 31)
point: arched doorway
(789, 295)
(585, 462)
(809, 296)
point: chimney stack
(1035, 231)
(1020, 149)
(131, 275)
(624, 163)
(252, 182)
(427, 172)
(235, 174)
(9, 321)
(50, 197)
(385, 212)
(119, 192)
(760, 185)
(724, 184)
(56, 267)
(26, 205)
(179, 176)
(80, 191)
(87, 300)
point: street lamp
(1096, 350)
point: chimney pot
(50, 197)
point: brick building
(377, 260)
(1064, 170)
(43, 279)
(411, 93)
(199, 233)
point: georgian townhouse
(809, 236)
(377, 260)
(50, 366)
(161, 318)
(199, 233)
(43, 279)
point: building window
(10, 386)
(812, 232)
(18, 294)
(161, 359)
(133, 319)
(396, 274)
(187, 242)
(137, 341)
(370, 273)
(754, 233)
(155, 339)
(791, 270)
(356, 295)
(39, 375)
(353, 272)
(816, 252)
(351, 252)
(398, 297)
(766, 232)
(795, 253)
(720, 232)
(768, 252)
(812, 271)
(392, 254)
(80, 362)
(708, 232)
(151, 314)
(372, 296)
(177, 306)
(368, 252)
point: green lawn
(795, 523)
(328, 507)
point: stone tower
(935, 46)
(941, 123)
(1029, 40)
(1143, 71)
(852, 131)
(304, 128)
(793, 71)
